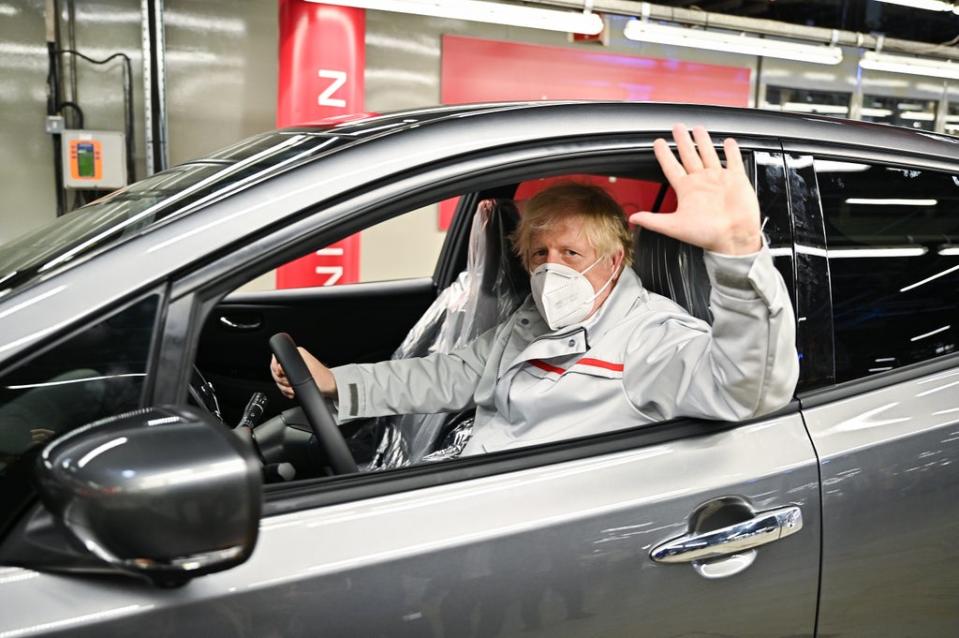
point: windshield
(143, 205)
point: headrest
(672, 269)
(503, 272)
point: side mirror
(163, 493)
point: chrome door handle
(236, 325)
(762, 529)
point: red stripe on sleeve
(599, 363)
(542, 365)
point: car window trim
(806, 278)
(345, 291)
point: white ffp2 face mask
(562, 294)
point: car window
(96, 373)
(361, 325)
(893, 244)
(404, 247)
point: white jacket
(641, 358)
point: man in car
(591, 350)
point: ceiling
(866, 16)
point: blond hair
(604, 222)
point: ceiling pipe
(820, 35)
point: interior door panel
(342, 324)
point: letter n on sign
(322, 59)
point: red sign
(633, 195)
(321, 66)
(475, 70)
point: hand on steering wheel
(315, 408)
(321, 375)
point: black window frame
(195, 295)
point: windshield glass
(143, 205)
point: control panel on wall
(94, 159)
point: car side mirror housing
(166, 493)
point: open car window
(489, 286)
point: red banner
(321, 66)
(473, 71)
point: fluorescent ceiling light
(913, 66)
(830, 166)
(645, 31)
(873, 112)
(481, 11)
(865, 201)
(847, 253)
(928, 5)
(882, 369)
(951, 251)
(807, 107)
(916, 115)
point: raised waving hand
(717, 207)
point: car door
(553, 540)
(887, 433)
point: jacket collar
(627, 292)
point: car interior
(370, 322)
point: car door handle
(764, 528)
(239, 325)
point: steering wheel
(314, 407)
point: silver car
(143, 493)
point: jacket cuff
(350, 396)
(745, 277)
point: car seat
(673, 269)
(482, 296)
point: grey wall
(221, 84)
(221, 59)
(27, 179)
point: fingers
(672, 169)
(686, 148)
(279, 377)
(704, 144)
(277, 371)
(734, 159)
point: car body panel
(890, 477)
(557, 550)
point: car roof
(763, 123)
(343, 157)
